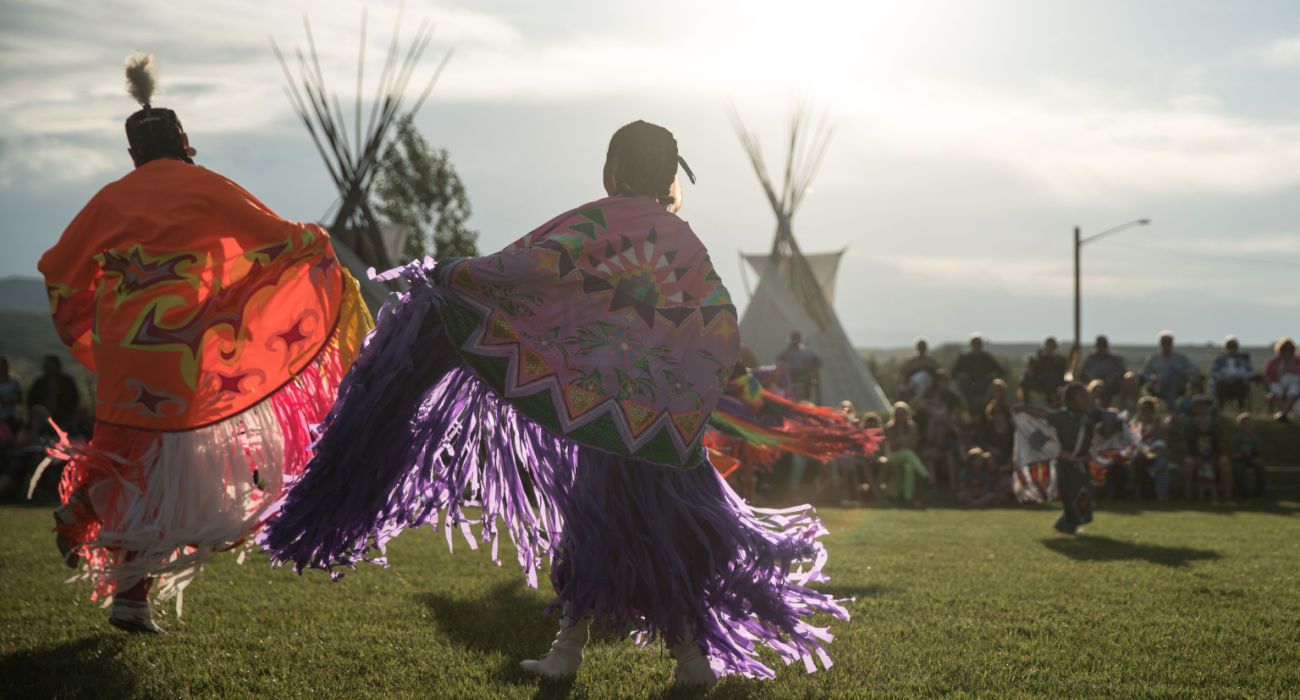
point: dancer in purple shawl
(563, 385)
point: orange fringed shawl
(188, 298)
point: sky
(969, 139)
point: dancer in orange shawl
(217, 333)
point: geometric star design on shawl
(641, 278)
(293, 336)
(1038, 439)
(272, 251)
(225, 307)
(138, 270)
(229, 384)
(569, 243)
(325, 263)
(149, 399)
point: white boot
(565, 656)
(133, 616)
(692, 667)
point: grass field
(1155, 602)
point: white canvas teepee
(795, 292)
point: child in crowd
(1153, 452)
(904, 437)
(1204, 454)
(1097, 393)
(875, 469)
(978, 479)
(1207, 486)
(1247, 470)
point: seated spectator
(1205, 464)
(904, 438)
(1167, 372)
(917, 373)
(978, 479)
(874, 475)
(1282, 372)
(997, 437)
(1195, 396)
(53, 396)
(1104, 365)
(11, 397)
(996, 397)
(1129, 394)
(940, 412)
(1232, 374)
(1044, 372)
(1247, 471)
(1152, 459)
(975, 370)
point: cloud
(1080, 144)
(1256, 244)
(1281, 53)
(1073, 143)
(42, 161)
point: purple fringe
(416, 436)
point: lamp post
(1078, 245)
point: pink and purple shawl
(607, 325)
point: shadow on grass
(1097, 548)
(1269, 506)
(508, 620)
(83, 668)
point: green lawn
(1154, 602)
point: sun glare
(822, 47)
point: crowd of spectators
(25, 416)
(954, 427)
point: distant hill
(29, 336)
(24, 295)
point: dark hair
(1070, 390)
(55, 359)
(993, 408)
(646, 160)
(156, 132)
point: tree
(417, 186)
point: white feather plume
(140, 76)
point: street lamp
(1078, 244)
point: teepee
(795, 291)
(352, 156)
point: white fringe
(200, 499)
